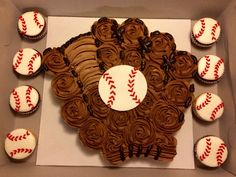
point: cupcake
(211, 151)
(24, 99)
(208, 107)
(20, 144)
(32, 25)
(205, 32)
(210, 69)
(27, 62)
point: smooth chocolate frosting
(64, 86)
(74, 112)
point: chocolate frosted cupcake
(133, 58)
(131, 31)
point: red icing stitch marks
(213, 31)
(17, 100)
(19, 137)
(207, 150)
(217, 66)
(31, 61)
(28, 97)
(217, 108)
(219, 153)
(23, 25)
(131, 82)
(19, 59)
(207, 66)
(20, 150)
(36, 20)
(205, 102)
(203, 26)
(112, 88)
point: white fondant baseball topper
(27, 61)
(206, 30)
(31, 23)
(122, 87)
(211, 151)
(211, 67)
(20, 144)
(209, 107)
(24, 98)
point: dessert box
(11, 42)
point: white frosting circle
(27, 61)
(20, 144)
(206, 30)
(211, 151)
(24, 99)
(31, 23)
(122, 87)
(209, 107)
(211, 67)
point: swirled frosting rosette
(74, 112)
(132, 58)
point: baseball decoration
(122, 87)
(210, 68)
(20, 144)
(24, 99)
(208, 107)
(211, 151)
(206, 31)
(27, 62)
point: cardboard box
(10, 42)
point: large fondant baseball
(122, 87)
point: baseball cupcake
(205, 32)
(32, 25)
(211, 151)
(24, 99)
(208, 107)
(210, 69)
(20, 144)
(27, 62)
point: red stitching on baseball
(19, 59)
(207, 150)
(217, 66)
(20, 150)
(205, 102)
(216, 109)
(200, 33)
(16, 138)
(207, 66)
(131, 83)
(111, 83)
(31, 61)
(213, 30)
(28, 97)
(36, 20)
(17, 100)
(23, 25)
(219, 153)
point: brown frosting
(109, 55)
(74, 112)
(105, 29)
(131, 31)
(132, 58)
(93, 133)
(65, 86)
(54, 61)
(167, 118)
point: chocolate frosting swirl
(167, 118)
(93, 133)
(54, 61)
(132, 58)
(74, 112)
(109, 55)
(184, 67)
(64, 86)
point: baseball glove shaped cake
(124, 90)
